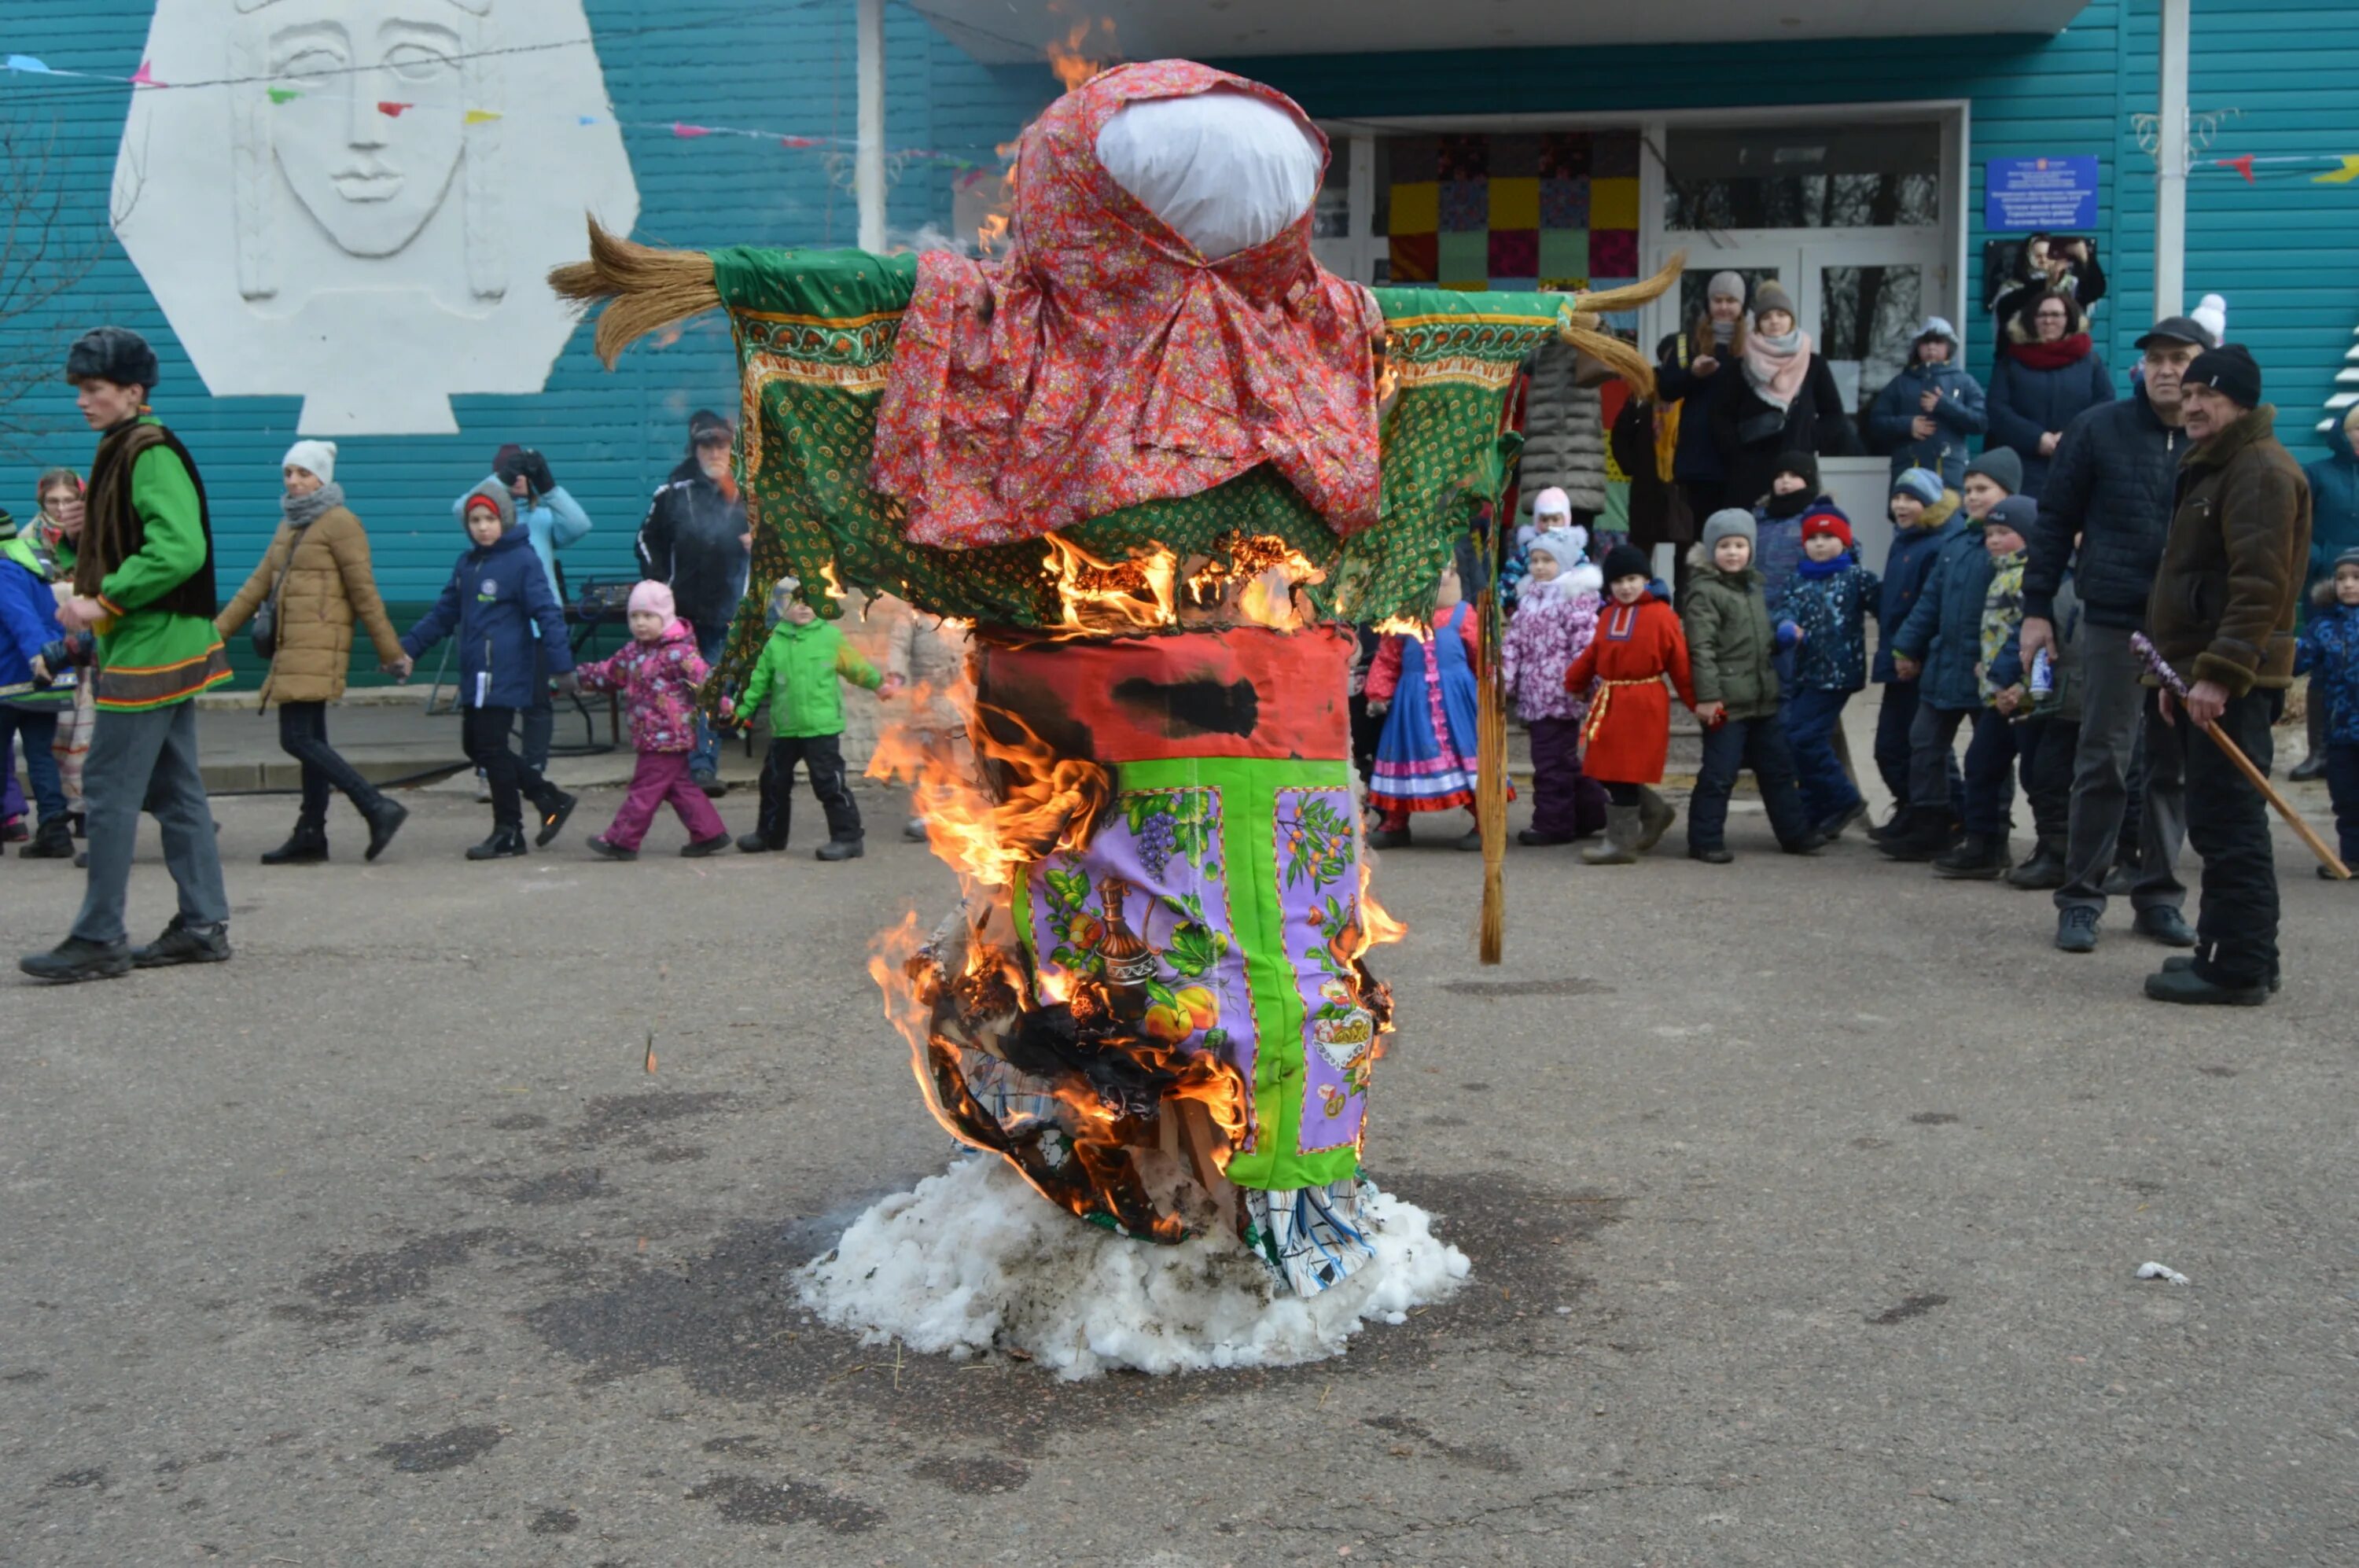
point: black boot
(755, 843)
(385, 817)
(841, 849)
(2044, 870)
(1892, 827)
(554, 807)
(1926, 835)
(307, 846)
(53, 840)
(506, 840)
(1979, 857)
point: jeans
(303, 735)
(1990, 774)
(1729, 746)
(485, 733)
(39, 726)
(2115, 704)
(1811, 718)
(1566, 803)
(2047, 747)
(1933, 760)
(147, 760)
(1895, 718)
(662, 775)
(706, 756)
(822, 759)
(2342, 789)
(2228, 823)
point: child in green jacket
(798, 672)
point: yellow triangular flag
(2343, 176)
(482, 116)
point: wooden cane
(2235, 754)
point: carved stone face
(370, 170)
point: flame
(1073, 65)
(1404, 626)
(1377, 927)
(827, 578)
(1251, 578)
(1099, 597)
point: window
(1866, 176)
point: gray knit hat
(1729, 522)
(1725, 286)
(2001, 466)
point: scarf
(1816, 570)
(2068, 349)
(302, 511)
(1774, 368)
(1788, 506)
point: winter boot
(1926, 835)
(385, 818)
(755, 843)
(52, 840)
(308, 845)
(554, 807)
(1622, 826)
(604, 850)
(1892, 827)
(697, 848)
(507, 840)
(1979, 857)
(1656, 816)
(841, 849)
(2044, 870)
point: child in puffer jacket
(1828, 604)
(799, 674)
(2329, 655)
(1731, 641)
(1554, 620)
(657, 675)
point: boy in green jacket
(798, 672)
(143, 582)
(1731, 643)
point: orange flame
(1099, 597)
(1251, 578)
(1066, 57)
(1403, 625)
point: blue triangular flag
(26, 63)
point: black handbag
(264, 628)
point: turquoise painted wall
(611, 439)
(2281, 250)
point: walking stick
(2162, 672)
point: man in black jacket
(2110, 490)
(695, 539)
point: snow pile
(974, 1260)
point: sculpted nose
(366, 122)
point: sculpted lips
(368, 185)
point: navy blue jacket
(1906, 567)
(2114, 483)
(2334, 508)
(1959, 414)
(496, 595)
(2025, 404)
(1831, 607)
(2329, 655)
(1944, 630)
(28, 622)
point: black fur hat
(111, 353)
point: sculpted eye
(312, 60)
(416, 62)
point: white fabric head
(1226, 169)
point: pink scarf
(1774, 368)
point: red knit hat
(1827, 522)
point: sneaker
(184, 943)
(914, 830)
(2076, 929)
(755, 843)
(483, 788)
(604, 850)
(1714, 855)
(552, 817)
(697, 849)
(2189, 989)
(841, 849)
(2179, 960)
(75, 959)
(709, 783)
(2163, 924)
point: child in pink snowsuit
(657, 675)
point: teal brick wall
(611, 439)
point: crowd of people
(2006, 607)
(2021, 581)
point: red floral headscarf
(1104, 362)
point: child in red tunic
(1629, 735)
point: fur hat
(1626, 560)
(113, 354)
(1729, 522)
(493, 492)
(1827, 521)
(2017, 512)
(650, 594)
(2001, 466)
(2230, 370)
(316, 458)
(1922, 482)
(1771, 296)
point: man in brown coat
(2222, 613)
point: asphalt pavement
(1804, 1198)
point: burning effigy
(1161, 463)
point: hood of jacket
(1936, 515)
(501, 497)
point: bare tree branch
(46, 252)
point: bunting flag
(481, 117)
(28, 65)
(686, 132)
(145, 78)
(392, 110)
(284, 94)
(2343, 176)
(2243, 165)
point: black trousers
(822, 760)
(2228, 825)
(1728, 747)
(485, 733)
(303, 735)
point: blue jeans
(706, 756)
(1811, 717)
(39, 726)
(1728, 749)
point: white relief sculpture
(364, 210)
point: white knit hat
(313, 457)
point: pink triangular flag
(686, 131)
(145, 78)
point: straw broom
(1490, 749)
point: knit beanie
(1922, 482)
(1729, 522)
(1725, 286)
(782, 594)
(2229, 369)
(2017, 512)
(650, 594)
(1827, 521)
(316, 458)
(1626, 560)
(1771, 296)
(1567, 546)
(2348, 558)
(2001, 466)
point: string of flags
(2345, 170)
(30, 65)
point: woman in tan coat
(316, 578)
